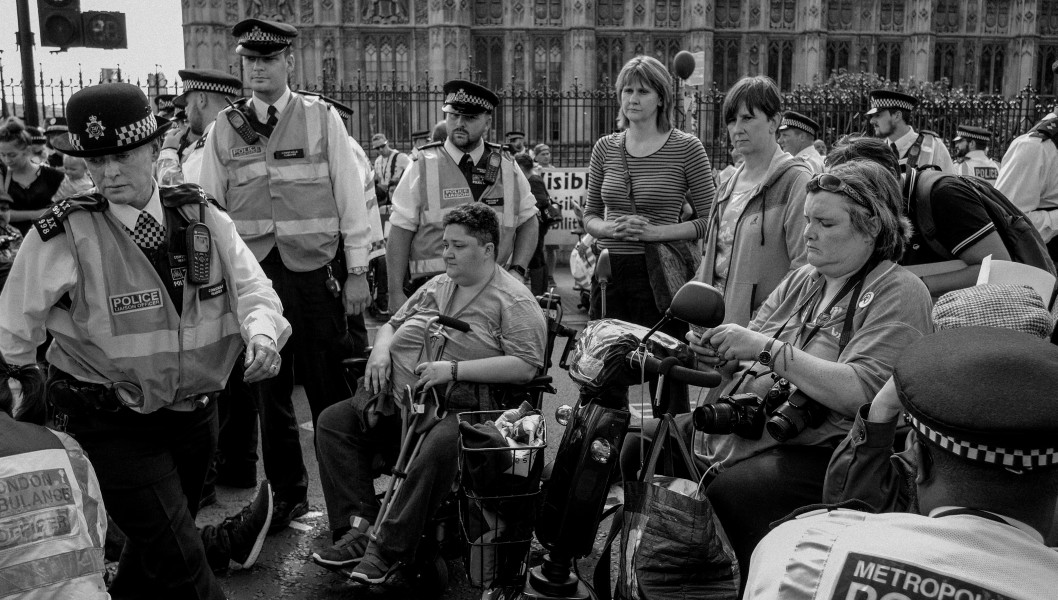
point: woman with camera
(821, 345)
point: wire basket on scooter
(500, 496)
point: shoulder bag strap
(628, 173)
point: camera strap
(854, 285)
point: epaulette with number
(183, 194)
(50, 224)
(1046, 129)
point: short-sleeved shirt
(37, 196)
(960, 218)
(505, 320)
(892, 311)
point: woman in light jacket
(754, 229)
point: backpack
(1019, 235)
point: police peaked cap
(263, 38)
(109, 118)
(984, 394)
(891, 99)
(969, 132)
(164, 102)
(55, 125)
(799, 121)
(466, 98)
(515, 134)
(343, 111)
(207, 80)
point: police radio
(198, 243)
(241, 125)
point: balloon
(683, 64)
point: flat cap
(799, 121)
(984, 394)
(1015, 307)
(55, 125)
(262, 38)
(207, 80)
(969, 132)
(467, 98)
(889, 99)
(343, 111)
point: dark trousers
(236, 459)
(318, 343)
(630, 298)
(381, 278)
(151, 468)
(749, 496)
(347, 453)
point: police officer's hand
(172, 138)
(886, 404)
(376, 376)
(262, 359)
(356, 294)
(433, 373)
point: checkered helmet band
(192, 85)
(137, 131)
(256, 36)
(462, 97)
(887, 103)
(1012, 458)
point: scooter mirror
(699, 304)
(602, 266)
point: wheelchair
(443, 537)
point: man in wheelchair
(505, 345)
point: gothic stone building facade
(993, 46)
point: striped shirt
(660, 181)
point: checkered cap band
(192, 85)
(165, 103)
(798, 124)
(886, 103)
(256, 36)
(462, 97)
(135, 132)
(1007, 457)
(973, 135)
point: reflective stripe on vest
(121, 325)
(444, 188)
(48, 546)
(279, 191)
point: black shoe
(286, 511)
(246, 531)
(348, 550)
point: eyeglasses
(833, 184)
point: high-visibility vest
(279, 190)
(121, 325)
(445, 187)
(52, 519)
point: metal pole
(25, 47)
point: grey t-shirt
(505, 320)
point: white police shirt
(977, 164)
(845, 554)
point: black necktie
(895, 151)
(273, 116)
(466, 165)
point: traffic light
(60, 23)
(104, 29)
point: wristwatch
(357, 271)
(520, 270)
(765, 357)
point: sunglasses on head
(833, 184)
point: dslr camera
(741, 414)
(747, 415)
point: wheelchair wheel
(430, 577)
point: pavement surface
(284, 570)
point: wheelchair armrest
(539, 381)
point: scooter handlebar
(453, 323)
(670, 367)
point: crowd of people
(167, 272)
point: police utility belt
(70, 397)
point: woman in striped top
(667, 167)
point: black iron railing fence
(570, 121)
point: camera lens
(781, 428)
(715, 418)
